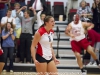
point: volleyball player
(44, 57)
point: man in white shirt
(8, 18)
(38, 5)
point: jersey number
(49, 38)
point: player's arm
(87, 25)
(53, 56)
(67, 31)
(35, 41)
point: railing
(58, 39)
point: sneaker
(90, 63)
(99, 66)
(11, 70)
(84, 73)
(4, 70)
(94, 64)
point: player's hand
(56, 61)
(36, 62)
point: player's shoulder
(41, 30)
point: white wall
(65, 2)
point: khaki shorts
(18, 32)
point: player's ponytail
(46, 19)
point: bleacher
(66, 57)
(65, 54)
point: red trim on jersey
(39, 50)
(42, 30)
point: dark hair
(9, 10)
(46, 19)
(28, 11)
(11, 23)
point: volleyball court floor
(34, 73)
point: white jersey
(78, 31)
(44, 45)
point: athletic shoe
(94, 64)
(90, 63)
(99, 66)
(84, 73)
(4, 70)
(11, 71)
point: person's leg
(1, 66)
(1, 62)
(91, 52)
(77, 49)
(5, 50)
(41, 67)
(22, 47)
(11, 52)
(51, 68)
(91, 59)
(28, 45)
(97, 48)
(69, 6)
(79, 61)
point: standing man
(2, 8)
(38, 5)
(71, 4)
(78, 41)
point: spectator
(21, 2)
(96, 15)
(38, 5)
(84, 11)
(2, 8)
(40, 18)
(18, 22)
(94, 39)
(26, 35)
(8, 36)
(71, 4)
(9, 18)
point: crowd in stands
(17, 25)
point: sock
(97, 62)
(82, 70)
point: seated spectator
(9, 18)
(26, 35)
(8, 36)
(18, 22)
(84, 11)
(96, 15)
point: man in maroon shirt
(2, 8)
(94, 39)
